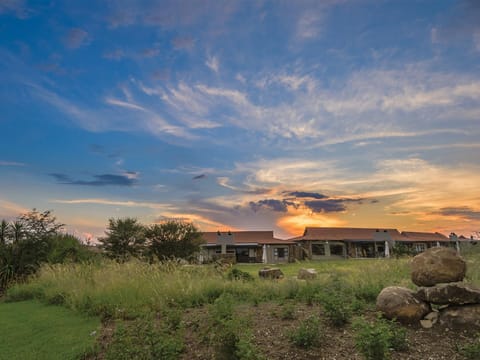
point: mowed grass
(31, 330)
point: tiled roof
(423, 236)
(246, 237)
(366, 234)
(352, 234)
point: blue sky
(253, 115)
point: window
(318, 249)
(336, 249)
(420, 247)
(280, 253)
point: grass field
(113, 290)
(31, 330)
(169, 301)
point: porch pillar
(387, 249)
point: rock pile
(439, 274)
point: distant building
(246, 247)
(335, 243)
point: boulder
(456, 293)
(307, 274)
(461, 317)
(437, 265)
(270, 273)
(400, 303)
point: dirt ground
(271, 338)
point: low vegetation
(156, 306)
(31, 330)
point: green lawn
(31, 330)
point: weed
(470, 351)
(229, 334)
(288, 311)
(237, 274)
(337, 309)
(375, 339)
(144, 339)
(307, 334)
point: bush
(237, 274)
(288, 311)
(470, 351)
(375, 339)
(307, 334)
(337, 309)
(144, 339)
(229, 334)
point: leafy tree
(124, 238)
(26, 244)
(4, 226)
(39, 225)
(173, 239)
(67, 247)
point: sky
(242, 115)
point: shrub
(337, 309)
(230, 334)
(375, 339)
(470, 351)
(307, 334)
(288, 311)
(144, 339)
(237, 274)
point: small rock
(437, 265)
(270, 273)
(307, 274)
(400, 303)
(432, 316)
(426, 324)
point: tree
(173, 239)
(4, 226)
(124, 238)
(39, 225)
(17, 231)
(67, 248)
(26, 245)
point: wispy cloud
(11, 163)
(9, 209)
(199, 177)
(309, 25)
(116, 54)
(127, 179)
(464, 213)
(108, 202)
(76, 38)
(213, 64)
(183, 43)
(18, 7)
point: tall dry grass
(124, 290)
